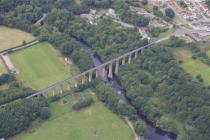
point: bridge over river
(104, 70)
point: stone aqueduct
(104, 70)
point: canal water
(154, 133)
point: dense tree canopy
(154, 83)
(18, 115)
(169, 13)
(14, 90)
(108, 96)
(107, 38)
(168, 96)
(127, 16)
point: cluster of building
(190, 12)
(111, 13)
(160, 2)
(154, 21)
(141, 11)
(92, 16)
(194, 9)
(203, 7)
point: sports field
(10, 37)
(41, 66)
(192, 66)
(93, 123)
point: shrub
(169, 13)
(45, 113)
(144, 2)
(6, 78)
(194, 57)
(141, 129)
(54, 98)
(83, 103)
(199, 78)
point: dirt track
(8, 62)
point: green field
(192, 66)
(41, 66)
(10, 37)
(93, 123)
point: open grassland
(41, 66)
(193, 66)
(93, 123)
(10, 37)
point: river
(154, 133)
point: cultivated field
(194, 67)
(10, 37)
(93, 123)
(41, 66)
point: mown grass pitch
(93, 123)
(10, 37)
(41, 66)
(193, 66)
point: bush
(54, 98)
(141, 129)
(181, 61)
(194, 57)
(144, 2)
(83, 103)
(110, 99)
(199, 78)
(6, 78)
(127, 110)
(155, 31)
(169, 13)
(45, 113)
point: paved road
(178, 32)
(124, 24)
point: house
(92, 16)
(111, 13)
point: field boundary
(19, 47)
(4, 65)
(8, 63)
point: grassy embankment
(93, 123)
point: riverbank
(155, 133)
